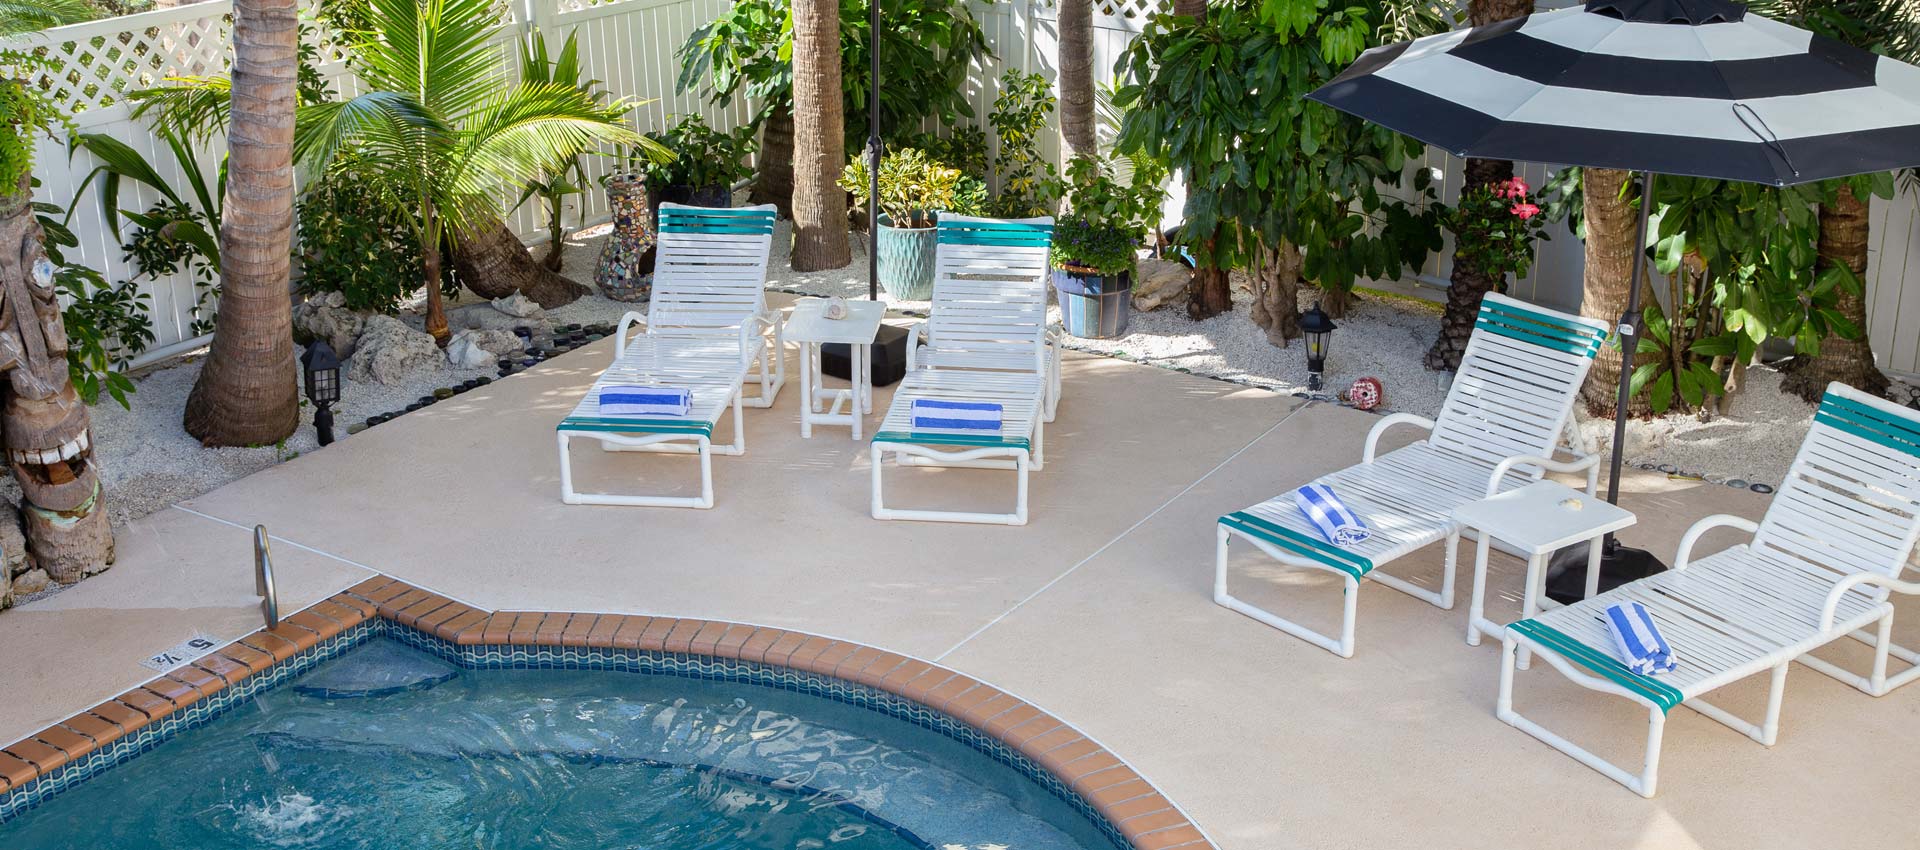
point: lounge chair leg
(1776, 693)
(1642, 784)
(1349, 600)
(1020, 498)
(567, 495)
(1450, 569)
(706, 467)
(1877, 682)
(878, 507)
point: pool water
(510, 759)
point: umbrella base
(1567, 571)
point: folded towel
(1638, 640)
(1327, 513)
(956, 415)
(630, 400)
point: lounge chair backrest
(1517, 382)
(711, 269)
(1851, 500)
(989, 291)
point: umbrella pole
(1567, 570)
(873, 150)
(1629, 341)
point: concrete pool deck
(1099, 610)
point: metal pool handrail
(263, 577)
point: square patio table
(809, 326)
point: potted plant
(913, 190)
(705, 166)
(1096, 244)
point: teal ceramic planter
(906, 261)
(1093, 306)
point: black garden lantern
(1318, 328)
(322, 369)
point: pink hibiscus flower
(1525, 211)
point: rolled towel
(956, 415)
(633, 400)
(1638, 640)
(1327, 513)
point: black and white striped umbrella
(1698, 88)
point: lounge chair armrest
(620, 336)
(1588, 463)
(1380, 427)
(1699, 529)
(1850, 582)
(915, 332)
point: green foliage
(913, 187)
(701, 157)
(963, 147)
(1029, 184)
(926, 48)
(1103, 230)
(355, 240)
(437, 123)
(1494, 228)
(1224, 100)
(107, 326)
(564, 177)
(176, 233)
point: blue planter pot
(906, 261)
(1094, 306)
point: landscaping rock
(13, 545)
(478, 348)
(31, 581)
(322, 319)
(486, 317)
(390, 352)
(1160, 282)
(519, 306)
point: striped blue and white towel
(1638, 640)
(1327, 513)
(956, 415)
(631, 400)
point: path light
(323, 386)
(1318, 329)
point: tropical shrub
(1107, 218)
(355, 240)
(702, 156)
(1029, 184)
(1495, 227)
(564, 177)
(106, 325)
(913, 187)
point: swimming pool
(390, 747)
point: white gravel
(148, 462)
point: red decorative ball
(1367, 393)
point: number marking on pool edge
(181, 654)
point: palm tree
(1076, 78)
(1610, 217)
(1468, 283)
(1883, 27)
(247, 393)
(819, 146)
(440, 124)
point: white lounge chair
(706, 331)
(986, 340)
(1821, 566)
(1508, 406)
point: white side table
(809, 326)
(1536, 520)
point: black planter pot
(1092, 305)
(702, 196)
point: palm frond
(532, 125)
(390, 127)
(193, 108)
(18, 17)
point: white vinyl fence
(629, 45)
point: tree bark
(1843, 241)
(44, 424)
(819, 146)
(1276, 293)
(247, 393)
(1468, 283)
(1190, 8)
(774, 182)
(493, 264)
(1610, 255)
(1211, 292)
(1076, 78)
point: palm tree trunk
(1190, 8)
(819, 146)
(1843, 241)
(1610, 255)
(247, 394)
(493, 264)
(774, 183)
(1076, 78)
(1468, 283)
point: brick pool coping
(1144, 817)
